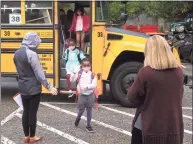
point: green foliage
(135, 8)
(167, 10)
(115, 9)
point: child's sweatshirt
(73, 64)
(86, 82)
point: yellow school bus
(116, 54)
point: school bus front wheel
(122, 79)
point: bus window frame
(44, 24)
(22, 8)
(90, 37)
(101, 9)
(11, 8)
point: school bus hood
(133, 41)
(122, 31)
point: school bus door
(98, 40)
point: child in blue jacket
(73, 56)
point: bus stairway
(63, 82)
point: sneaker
(89, 129)
(70, 94)
(77, 122)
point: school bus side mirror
(124, 17)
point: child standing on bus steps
(86, 84)
(73, 57)
(80, 25)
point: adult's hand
(54, 91)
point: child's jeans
(89, 115)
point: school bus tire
(126, 71)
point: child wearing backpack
(73, 57)
(86, 84)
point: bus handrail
(36, 19)
(62, 38)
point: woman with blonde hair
(157, 94)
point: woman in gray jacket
(31, 78)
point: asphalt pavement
(56, 115)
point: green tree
(115, 9)
(167, 10)
(135, 9)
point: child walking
(73, 56)
(86, 84)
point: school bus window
(10, 12)
(38, 12)
(102, 11)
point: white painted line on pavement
(60, 103)
(117, 111)
(128, 114)
(63, 103)
(58, 132)
(189, 117)
(188, 108)
(183, 66)
(84, 118)
(9, 117)
(188, 132)
(5, 140)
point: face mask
(86, 69)
(71, 47)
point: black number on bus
(6, 33)
(100, 34)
